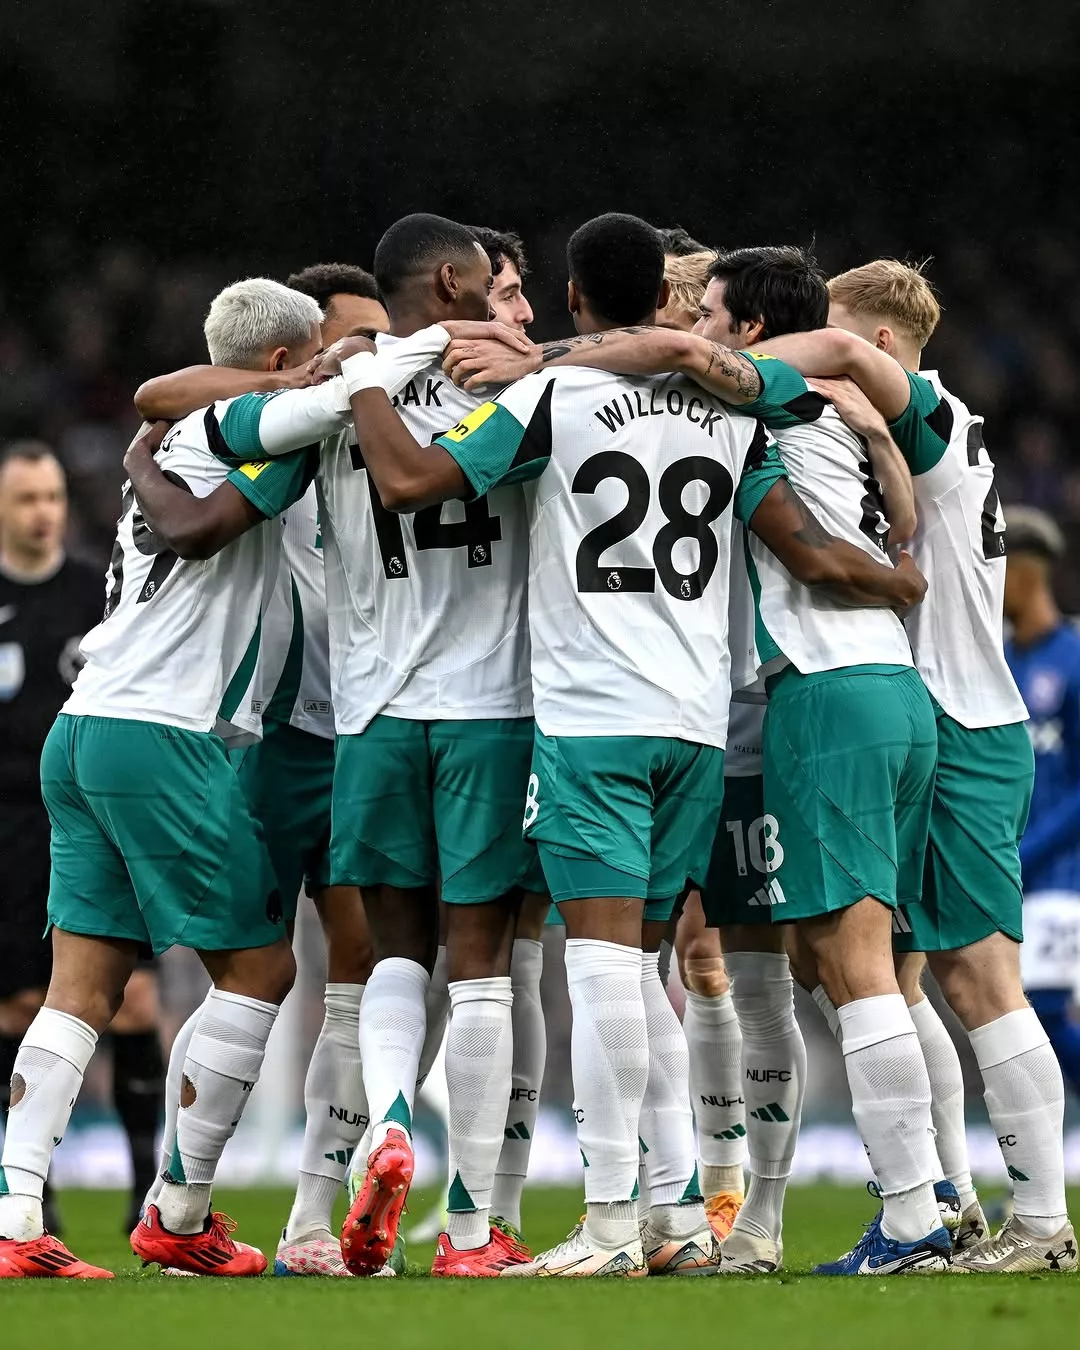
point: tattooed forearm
(551, 351)
(731, 365)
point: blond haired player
(969, 923)
(687, 275)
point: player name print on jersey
(426, 609)
(633, 404)
(421, 393)
(631, 524)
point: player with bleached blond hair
(969, 923)
(687, 275)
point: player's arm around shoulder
(408, 475)
(829, 352)
(194, 528)
(184, 391)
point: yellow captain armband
(469, 424)
(760, 356)
(254, 468)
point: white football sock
(173, 1078)
(714, 1044)
(393, 1021)
(530, 1056)
(946, 1098)
(223, 1064)
(437, 1000)
(479, 1060)
(335, 1108)
(609, 1056)
(774, 1082)
(45, 1082)
(667, 1122)
(827, 1008)
(1025, 1097)
(890, 1100)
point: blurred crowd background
(156, 152)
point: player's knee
(909, 973)
(532, 916)
(349, 953)
(139, 1010)
(801, 958)
(280, 973)
(978, 990)
(706, 975)
(265, 973)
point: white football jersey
(291, 684)
(180, 638)
(829, 469)
(959, 546)
(427, 611)
(631, 519)
(745, 723)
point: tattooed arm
(818, 559)
(626, 351)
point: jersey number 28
(681, 524)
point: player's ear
(279, 359)
(753, 330)
(883, 339)
(573, 300)
(446, 283)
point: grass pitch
(787, 1312)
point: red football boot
(44, 1258)
(371, 1225)
(483, 1262)
(211, 1252)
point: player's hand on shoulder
(911, 584)
(327, 363)
(475, 362)
(852, 405)
(491, 330)
(147, 441)
(297, 377)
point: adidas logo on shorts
(769, 894)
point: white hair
(249, 316)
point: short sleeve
(273, 485)
(924, 428)
(762, 468)
(786, 400)
(504, 441)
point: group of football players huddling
(686, 629)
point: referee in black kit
(47, 603)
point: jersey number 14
(476, 533)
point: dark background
(152, 152)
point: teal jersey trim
(234, 692)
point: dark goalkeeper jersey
(41, 625)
